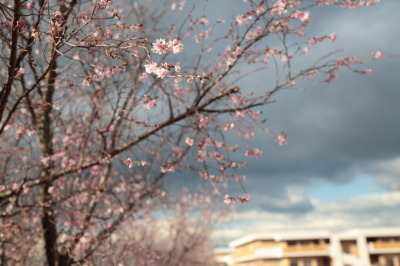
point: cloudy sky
(341, 167)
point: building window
(326, 262)
(389, 262)
(307, 263)
(294, 263)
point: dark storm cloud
(339, 126)
(338, 130)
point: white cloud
(387, 173)
(364, 211)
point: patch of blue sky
(359, 186)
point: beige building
(357, 247)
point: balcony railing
(244, 253)
(259, 253)
(308, 247)
(279, 250)
(384, 245)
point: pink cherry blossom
(366, 72)
(229, 200)
(177, 48)
(142, 163)
(204, 175)
(228, 126)
(57, 15)
(256, 152)
(221, 20)
(303, 16)
(279, 8)
(203, 21)
(160, 46)
(189, 141)
(170, 167)
(244, 198)
(313, 41)
(377, 54)
(285, 58)
(282, 138)
(203, 121)
(371, 2)
(20, 71)
(150, 104)
(217, 156)
(162, 71)
(102, 4)
(151, 68)
(243, 19)
(21, 25)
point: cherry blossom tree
(182, 238)
(101, 101)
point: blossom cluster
(161, 71)
(57, 16)
(243, 19)
(179, 5)
(169, 167)
(282, 138)
(149, 102)
(102, 4)
(254, 34)
(131, 163)
(224, 176)
(254, 114)
(232, 165)
(349, 3)
(21, 25)
(228, 199)
(302, 16)
(231, 54)
(315, 40)
(189, 141)
(206, 34)
(160, 46)
(256, 152)
(51, 159)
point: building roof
(223, 251)
(317, 234)
(369, 232)
(278, 236)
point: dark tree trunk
(45, 139)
